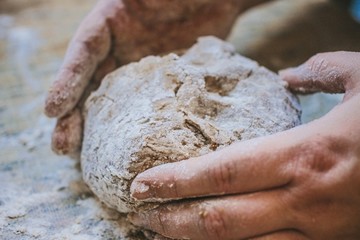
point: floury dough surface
(166, 109)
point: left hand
(303, 183)
(117, 32)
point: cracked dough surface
(166, 109)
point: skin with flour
(114, 34)
(299, 184)
(307, 187)
(170, 108)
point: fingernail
(140, 190)
(147, 183)
(136, 219)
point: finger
(248, 166)
(87, 49)
(334, 72)
(67, 134)
(282, 235)
(230, 217)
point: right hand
(303, 183)
(117, 32)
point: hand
(303, 183)
(117, 32)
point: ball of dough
(166, 109)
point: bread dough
(166, 109)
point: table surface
(42, 195)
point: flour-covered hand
(303, 183)
(117, 32)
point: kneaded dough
(166, 109)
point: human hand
(303, 183)
(117, 32)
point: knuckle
(326, 72)
(213, 223)
(223, 176)
(318, 63)
(329, 65)
(319, 156)
(161, 224)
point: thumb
(89, 47)
(333, 72)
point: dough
(166, 109)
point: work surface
(42, 195)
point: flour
(171, 108)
